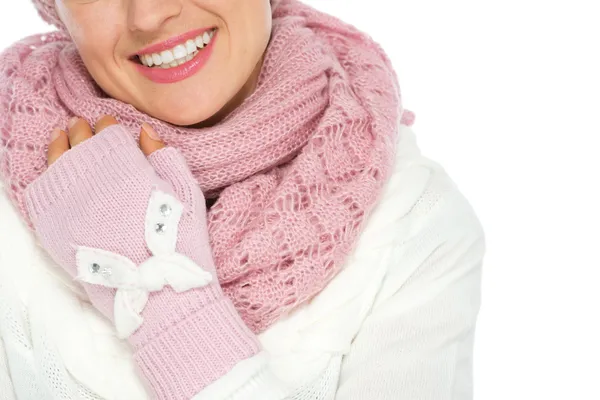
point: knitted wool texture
(297, 168)
(48, 12)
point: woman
(208, 171)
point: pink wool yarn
(297, 168)
(48, 13)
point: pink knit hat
(48, 12)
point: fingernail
(150, 131)
(73, 121)
(55, 134)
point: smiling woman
(333, 262)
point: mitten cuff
(196, 351)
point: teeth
(179, 54)
(167, 56)
(190, 46)
(148, 59)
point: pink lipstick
(178, 58)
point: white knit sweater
(397, 323)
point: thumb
(149, 140)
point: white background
(507, 98)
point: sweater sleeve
(6, 387)
(417, 340)
(133, 231)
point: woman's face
(203, 80)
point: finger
(79, 130)
(105, 122)
(58, 146)
(149, 140)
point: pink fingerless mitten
(133, 230)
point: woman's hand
(79, 130)
(128, 223)
(130, 227)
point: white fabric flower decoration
(134, 283)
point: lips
(180, 68)
(172, 42)
(178, 54)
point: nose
(150, 15)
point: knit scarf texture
(295, 170)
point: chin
(184, 120)
(183, 116)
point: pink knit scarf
(297, 168)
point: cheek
(96, 42)
(248, 21)
(250, 27)
(98, 54)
